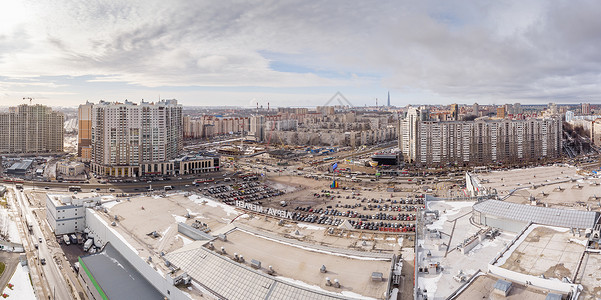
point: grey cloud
(461, 49)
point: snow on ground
(191, 212)
(456, 207)
(110, 204)
(318, 288)
(429, 284)
(185, 239)
(13, 231)
(179, 219)
(581, 242)
(212, 203)
(310, 227)
(22, 289)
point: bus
(29, 222)
(74, 188)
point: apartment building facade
(131, 139)
(479, 142)
(209, 126)
(84, 131)
(31, 129)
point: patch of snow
(309, 226)
(191, 212)
(185, 239)
(429, 284)
(13, 231)
(180, 219)
(456, 207)
(110, 204)
(212, 203)
(22, 286)
(581, 242)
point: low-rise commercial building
(20, 168)
(66, 212)
(70, 168)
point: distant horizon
(276, 107)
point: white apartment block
(66, 212)
(131, 139)
(31, 129)
(479, 142)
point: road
(129, 187)
(57, 287)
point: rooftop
(454, 227)
(21, 165)
(236, 281)
(539, 215)
(72, 198)
(117, 278)
(550, 251)
(296, 264)
(482, 287)
(302, 261)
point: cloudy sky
(300, 53)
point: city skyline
(292, 53)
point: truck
(29, 222)
(66, 240)
(73, 239)
(87, 244)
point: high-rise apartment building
(476, 109)
(455, 112)
(31, 129)
(585, 109)
(131, 139)
(257, 128)
(501, 112)
(517, 108)
(480, 142)
(84, 132)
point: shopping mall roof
(230, 280)
(538, 214)
(116, 277)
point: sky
(300, 53)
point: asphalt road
(58, 287)
(129, 187)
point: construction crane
(30, 99)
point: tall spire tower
(388, 98)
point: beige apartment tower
(130, 139)
(31, 129)
(84, 132)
